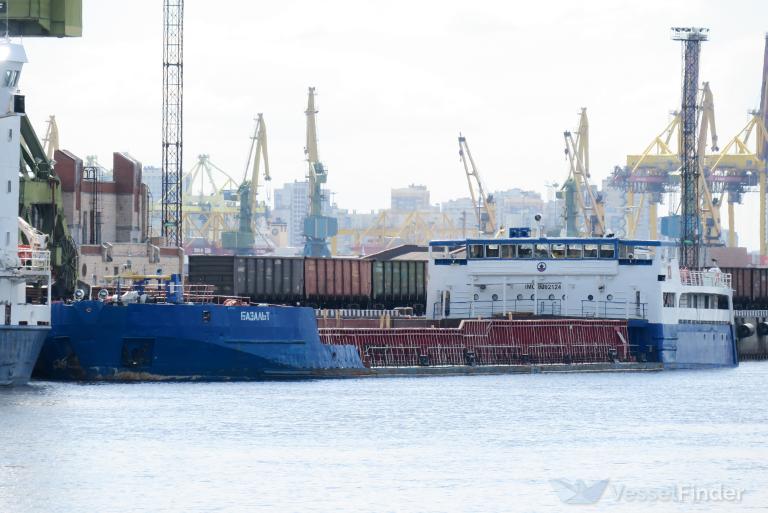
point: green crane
(317, 227)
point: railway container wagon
(750, 287)
(213, 270)
(337, 282)
(262, 279)
(400, 283)
(269, 280)
(316, 282)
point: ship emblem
(541, 267)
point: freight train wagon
(750, 287)
(316, 282)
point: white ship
(24, 269)
(681, 318)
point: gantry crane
(655, 172)
(587, 201)
(649, 176)
(317, 227)
(209, 212)
(483, 203)
(738, 168)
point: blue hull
(685, 346)
(19, 348)
(91, 340)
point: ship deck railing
(705, 278)
(192, 293)
(616, 309)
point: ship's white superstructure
(637, 280)
(24, 269)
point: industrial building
(109, 219)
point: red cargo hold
(489, 342)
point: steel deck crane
(588, 202)
(483, 203)
(317, 227)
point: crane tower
(173, 82)
(483, 204)
(317, 227)
(689, 151)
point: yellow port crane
(709, 207)
(51, 139)
(656, 171)
(250, 205)
(588, 202)
(738, 167)
(208, 209)
(483, 204)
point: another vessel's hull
(91, 340)
(19, 349)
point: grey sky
(396, 82)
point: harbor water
(660, 441)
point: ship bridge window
(558, 250)
(525, 251)
(669, 299)
(541, 250)
(574, 251)
(704, 301)
(631, 252)
(590, 250)
(607, 251)
(508, 251)
(492, 251)
(476, 251)
(439, 251)
(11, 78)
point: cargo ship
(24, 269)
(519, 304)
(678, 317)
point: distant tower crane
(173, 82)
(577, 151)
(709, 205)
(762, 152)
(51, 139)
(483, 204)
(690, 169)
(317, 227)
(249, 190)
